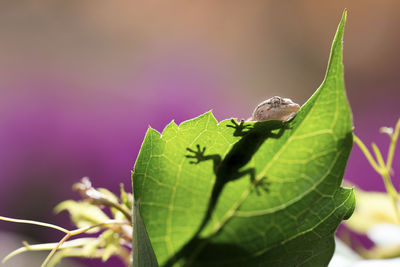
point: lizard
(275, 108)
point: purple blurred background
(80, 82)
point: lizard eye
(275, 100)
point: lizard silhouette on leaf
(228, 169)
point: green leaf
(142, 251)
(126, 198)
(83, 214)
(265, 193)
(111, 243)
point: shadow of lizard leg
(261, 183)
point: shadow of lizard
(228, 169)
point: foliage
(251, 193)
(115, 234)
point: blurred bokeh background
(80, 82)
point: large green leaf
(284, 215)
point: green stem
(367, 154)
(379, 157)
(47, 246)
(65, 238)
(393, 146)
(2, 218)
(392, 193)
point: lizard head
(275, 108)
